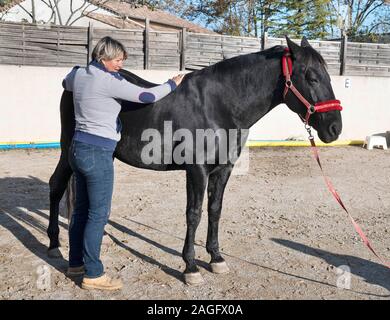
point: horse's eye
(312, 80)
(311, 77)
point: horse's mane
(238, 61)
(228, 64)
(310, 52)
(250, 58)
(134, 79)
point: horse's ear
(294, 48)
(304, 42)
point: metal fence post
(24, 44)
(183, 45)
(264, 38)
(90, 40)
(146, 44)
(343, 53)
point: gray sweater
(97, 95)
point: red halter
(324, 106)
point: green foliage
(302, 18)
(4, 2)
(252, 18)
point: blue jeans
(94, 172)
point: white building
(19, 11)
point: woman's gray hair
(108, 48)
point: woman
(97, 92)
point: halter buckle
(311, 109)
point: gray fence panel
(41, 45)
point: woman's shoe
(102, 283)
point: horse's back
(184, 108)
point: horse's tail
(67, 119)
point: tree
(224, 16)
(315, 19)
(234, 17)
(254, 17)
(319, 19)
(292, 19)
(360, 16)
(302, 18)
(268, 12)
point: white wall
(30, 98)
(366, 111)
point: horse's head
(317, 104)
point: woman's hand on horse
(178, 78)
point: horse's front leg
(196, 185)
(215, 191)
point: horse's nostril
(333, 129)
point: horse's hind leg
(196, 186)
(58, 183)
(215, 191)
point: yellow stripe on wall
(27, 142)
(285, 143)
(250, 143)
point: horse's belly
(130, 154)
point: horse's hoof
(193, 279)
(219, 267)
(54, 253)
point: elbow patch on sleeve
(172, 84)
(147, 97)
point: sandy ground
(282, 234)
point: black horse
(231, 94)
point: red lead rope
(321, 107)
(338, 199)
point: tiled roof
(116, 22)
(10, 5)
(159, 20)
(142, 12)
(120, 23)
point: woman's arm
(122, 89)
